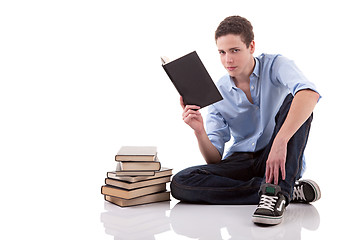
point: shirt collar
(231, 84)
(256, 73)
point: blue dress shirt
(252, 125)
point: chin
(231, 74)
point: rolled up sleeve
(289, 75)
(217, 129)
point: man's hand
(192, 116)
(276, 160)
(301, 108)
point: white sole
(266, 219)
(315, 187)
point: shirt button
(252, 87)
(252, 144)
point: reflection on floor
(139, 222)
(191, 221)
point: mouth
(230, 68)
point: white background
(79, 79)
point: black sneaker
(271, 207)
(306, 191)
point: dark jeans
(237, 179)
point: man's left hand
(276, 160)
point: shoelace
(299, 193)
(267, 202)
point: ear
(252, 47)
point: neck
(245, 77)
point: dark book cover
(192, 80)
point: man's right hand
(192, 117)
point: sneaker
(271, 207)
(306, 191)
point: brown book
(151, 198)
(136, 153)
(135, 173)
(132, 172)
(129, 194)
(157, 174)
(139, 166)
(127, 185)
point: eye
(235, 50)
(221, 52)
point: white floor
(77, 212)
(175, 220)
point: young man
(267, 109)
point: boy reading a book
(267, 109)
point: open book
(191, 79)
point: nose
(228, 58)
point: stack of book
(138, 179)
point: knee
(184, 174)
(176, 185)
(181, 182)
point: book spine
(144, 166)
(134, 173)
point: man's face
(234, 55)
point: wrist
(200, 132)
(281, 139)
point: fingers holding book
(192, 116)
(193, 107)
(182, 102)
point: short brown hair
(236, 25)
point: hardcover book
(151, 198)
(129, 186)
(139, 166)
(192, 80)
(157, 174)
(129, 194)
(134, 173)
(136, 153)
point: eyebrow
(229, 49)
